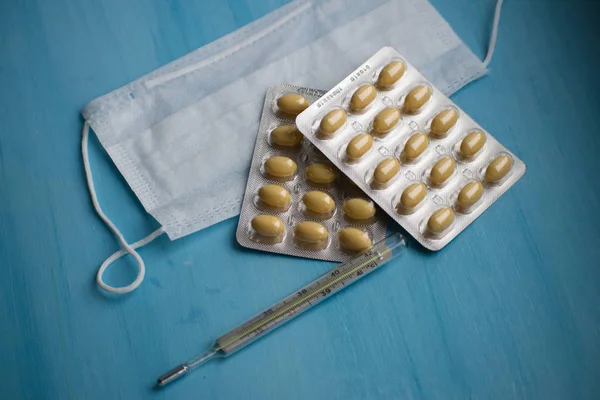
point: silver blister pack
(422, 159)
(296, 202)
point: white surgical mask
(182, 136)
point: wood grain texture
(509, 310)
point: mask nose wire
(126, 247)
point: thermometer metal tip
(172, 375)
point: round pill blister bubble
(362, 98)
(280, 168)
(472, 144)
(386, 120)
(386, 170)
(440, 220)
(319, 203)
(275, 197)
(292, 104)
(443, 122)
(415, 146)
(498, 168)
(321, 173)
(417, 98)
(286, 136)
(268, 229)
(412, 197)
(441, 171)
(353, 240)
(359, 209)
(311, 235)
(359, 146)
(390, 74)
(332, 121)
(469, 195)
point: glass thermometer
(325, 286)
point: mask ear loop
(494, 35)
(127, 248)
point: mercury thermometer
(325, 286)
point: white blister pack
(410, 148)
(296, 202)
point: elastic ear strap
(121, 253)
(494, 35)
(127, 248)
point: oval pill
(310, 232)
(443, 122)
(498, 168)
(386, 170)
(390, 74)
(441, 171)
(470, 194)
(292, 103)
(359, 209)
(321, 173)
(332, 121)
(354, 239)
(286, 136)
(472, 143)
(362, 97)
(274, 196)
(440, 220)
(386, 120)
(416, 145)
(318, 202)
(417, 98)
(413, 195)
(359, 146)
(268, 225)
(280, 167)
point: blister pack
(422, 159)
(297, 202)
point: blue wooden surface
(510, 309)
